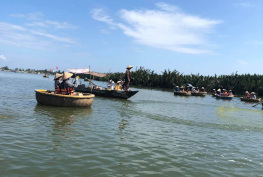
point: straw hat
(67, 75)
(253, 93)
(219, 90)
(182, 87)
(214, 89)
(202, 88)
(246, 92)
(118, 82)
(230, 90)
(129, 67)
(57, 76)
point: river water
(154, 133)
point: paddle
(257, 104)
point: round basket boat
(198, 93)
(250, 99)
(50, 98)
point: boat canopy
(78, 71)
(86, 71)
(96, 74)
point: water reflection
(61, 119)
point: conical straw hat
(129, 67)
(58, 75)
(66, 75)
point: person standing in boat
(66, 84)
(127, 78)
(58, 80)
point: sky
(194, 36)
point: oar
(257, 104)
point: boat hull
(250, 100)
(199, 93)
(50, 98)
(224, 97)
(106, 93)
(182, 93)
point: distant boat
(46, 76)
(50, 98)
(250, 99)
(199, 93)
(184, 93)
(225, 97)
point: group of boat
(226, 95)
(83, 95)
(189, 91)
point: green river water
(154, 133)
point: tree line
(238, 83)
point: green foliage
(168, 79)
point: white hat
(67, 75)
(58, 75)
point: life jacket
(65, 91)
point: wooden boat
(250, 100)
(224, 97)
(50, 98)
(106, 92)
(182, 93)
(46, 76)
(198, 93)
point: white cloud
(2, 57)
(100, 15)
(242, 62)
(53, 24)
(37, 20)
(30, 16)
(23, 37)
(166, 28)
(245, 4)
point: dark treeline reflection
(238, 83)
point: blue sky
(195, 36)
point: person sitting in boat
(202, 89)
(177, 89)
(197, 89)
(109, 84)
(58, 81)
(247, 95)
(224, 92)
(66, 86)
(182, 89)
(193, 90)
(229, 93)
(112, 85)
(218, 92)
(118, 86)
(253, 95)
(188, 89)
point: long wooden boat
(250, 100)
(199, 93)
(50, 98)
(225, 97)
(106, 92)
(182, 93)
